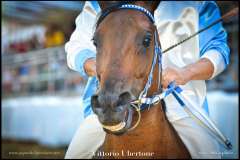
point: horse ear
(105, 4)
(149, 5)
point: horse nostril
(124, 99)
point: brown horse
(124, 41)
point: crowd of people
(20, 79)
(49, 36)
(28, 78)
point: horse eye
(146, 42)
(94, 42)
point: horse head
(124, 41)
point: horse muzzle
(121, 127)
(115, 114)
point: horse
(124, 41)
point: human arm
(79, 48)
(214, 51)
(200, 70)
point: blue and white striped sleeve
(80, 48)
(213, 42)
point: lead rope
(211, 125)
(176, 91)
(224, 140)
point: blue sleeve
(215, 37)
(80, 60)
(96, 6)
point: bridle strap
(125, 6)
(138, 8)
(157, 57)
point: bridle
(143, 101)
(157, 59)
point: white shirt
(171, 31)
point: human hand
(179, 75)
(90, 67)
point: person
(202, 58)
(54, 36)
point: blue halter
(138, 8)
(157, 49)
(157, 52)
(144, 101)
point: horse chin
(121, 127)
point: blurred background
(41, 96)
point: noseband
(157, 58)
